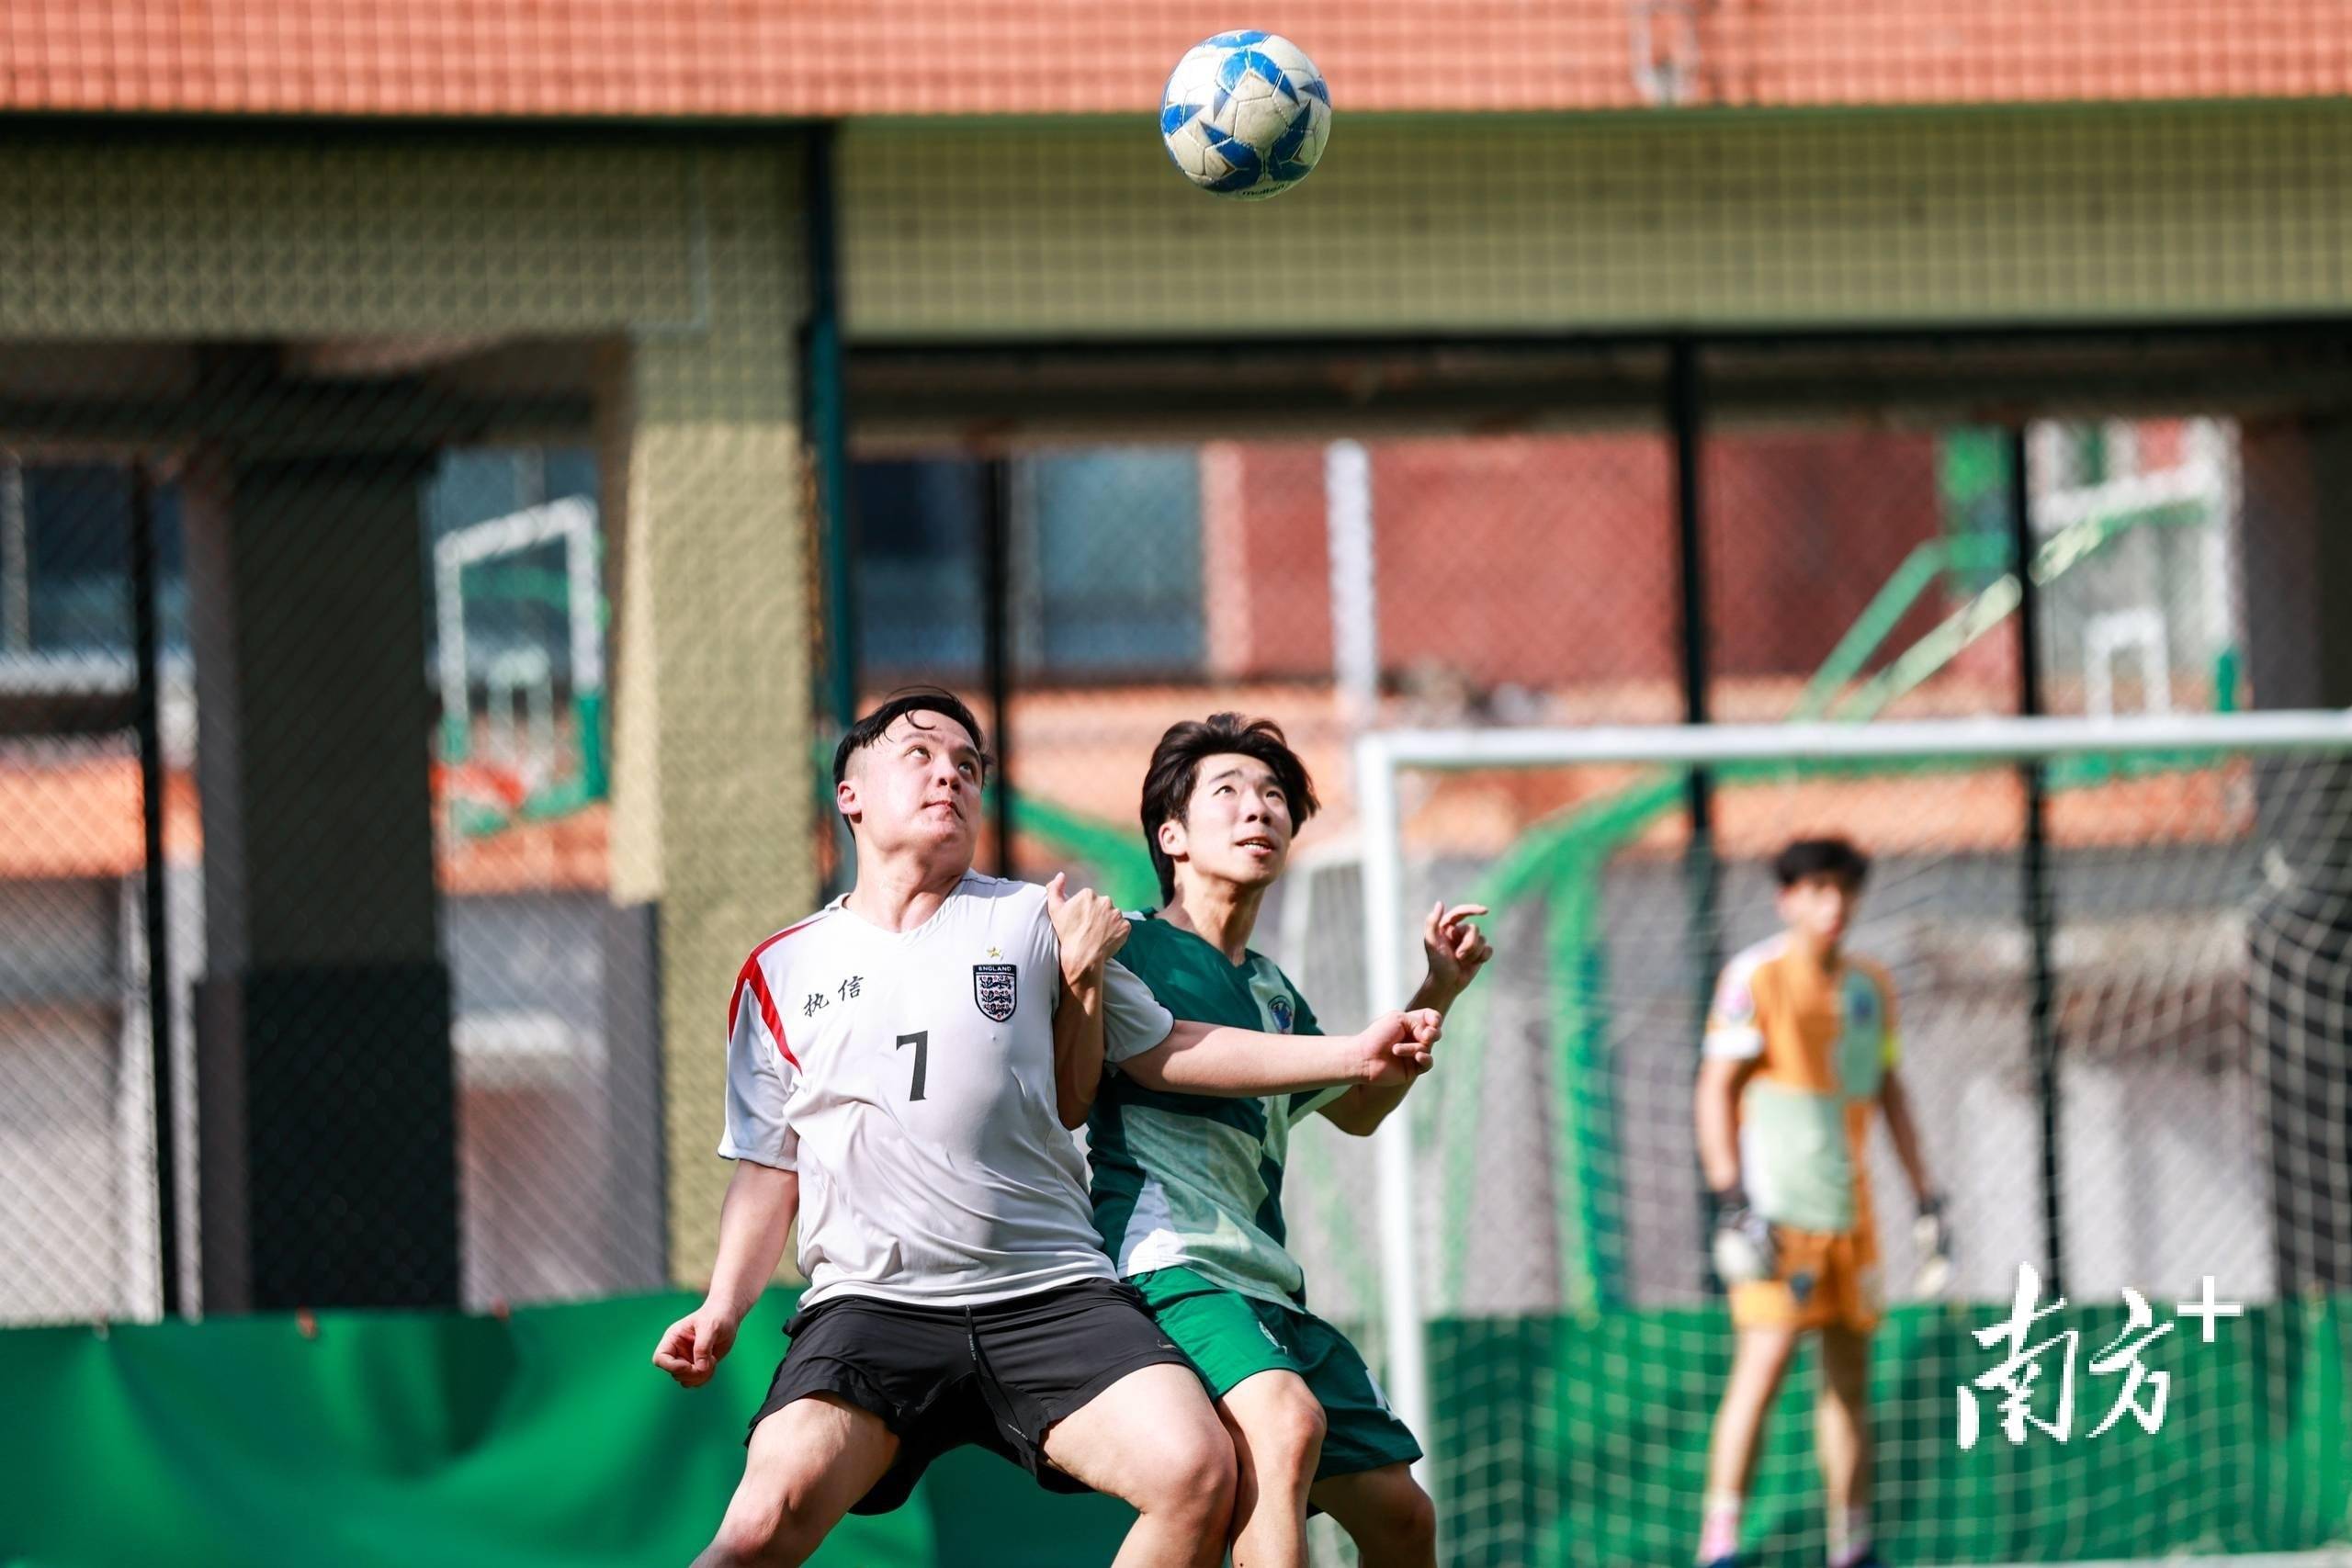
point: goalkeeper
(1801, 1046)
(1188, 1187)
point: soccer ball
(1246, 114)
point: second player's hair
(1176, 768)
(1821, 857)
(910, 699)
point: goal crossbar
(1978, 739)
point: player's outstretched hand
(691, 1347)
(1088, 925)
(1398, 1046)
(1455, 949)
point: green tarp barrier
(547, 1439)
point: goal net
(2123, 957)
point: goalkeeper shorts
(1820, 1279)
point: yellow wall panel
(1722, 218)
(240, 237)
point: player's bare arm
(1903, 1129)
(1199, 1058)
(1454, 950)
(1743, 1243)
(1078, 1048)
(754, 1222)
(1721, 1079)
(1089, 930)
(1930, 1233)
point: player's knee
(1764, 1352)
(1286, 1437)
(1196, 1477)
(1411, 1520)
(756, 1540)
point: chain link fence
(539, 988)
(1851, 573)
(422, 628)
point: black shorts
(997, 1376)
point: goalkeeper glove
(1931, 1239)
(1742, 1248)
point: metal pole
(828, 406)
(1686, 417)
(1685, 421)
(827, 415)
(1355, 599)
(148, 653)
(996, 548)
(1407, 1374)
(16, 557)
(2040, 905)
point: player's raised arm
(1200, 1058)
(1456, 951)
(1087, 928)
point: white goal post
(1390, 934)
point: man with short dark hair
(1801, 1047)
(903, 1070)
(1188, 1176)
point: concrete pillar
(2295, 554)
(322, 1018)
(709, 513)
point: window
(1105, 568)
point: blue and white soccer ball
(1246, 114)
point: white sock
(1719, 1530)
(1850, 1536)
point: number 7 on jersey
(920, 1041)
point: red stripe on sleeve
(759, 984)
(751, 975)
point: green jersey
(1196, 1181)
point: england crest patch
(996, 990)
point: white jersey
(908, 1076)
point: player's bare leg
(1276, 1424)
(809, 1463)
(1842, 1436)
(1152, 1441)
(1386, 1512)
(1757, 1365)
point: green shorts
(1231, 1337)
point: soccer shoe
(1728, 1560)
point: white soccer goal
(1540, 1311)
